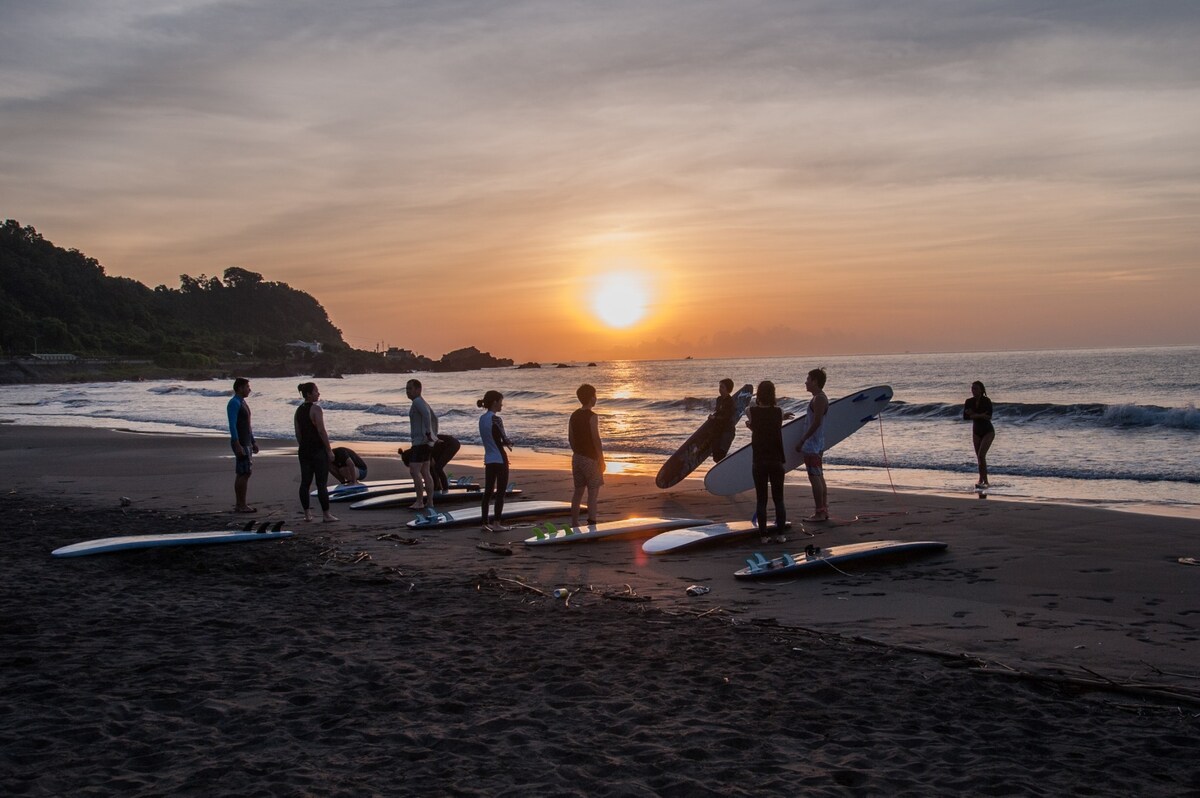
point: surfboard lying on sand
(678, 540)
(699, 447)
(364, 490)
(474, 515)
(818, 560)
(103, 545)
(454, 495)
(611, 530)
(845, 417)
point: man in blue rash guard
(242, 440)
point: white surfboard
(845, 417)
(366, 490)
(456, 495)
(611, 530)
(828, 561)
(474, 515)
(127, 542)
(682, 539)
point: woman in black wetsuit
(765, 421)
(315, 452)
(978, 410)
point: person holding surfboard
(765, 421)
(495, 459)
(422, 425)
(587, 455)
(978, 410)
(723, 418)
(315, 453)
(242, 440)
(812, 445)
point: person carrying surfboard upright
(587, 455)
(315, 453)
(422, 425)
(495, 459)
(242, 439)
(812, 445)
(978, 410)
(765, 421)
(723, 419)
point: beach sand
(1050, 650)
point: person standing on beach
(765, 421)
(587, 455)
(722, 418)
(242, 439)
(422, 425)
(978, 410)
(348, 467)
(495, 459)
(812, 445)
(315, 453)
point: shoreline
(347, 661)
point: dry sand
(340, 663)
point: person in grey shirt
(423, 426)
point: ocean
(1115, 428)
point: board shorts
(813, 463)
(421, 453)
(586, 472)
(362, 474)
(241, 462)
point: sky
(562, 180)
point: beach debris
(1189, 561)
(627, 594)
(495, 548)
(398, 538)
(126, 501)
(698, 590)
(560, 592)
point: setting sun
(619, 299)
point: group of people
(426, 459)
(430, 451)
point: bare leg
(418, 486)
(240, 483)
(982, 444)
(576, 498)
(593, 504)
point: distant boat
(689, 357)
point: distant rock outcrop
(530, 365)
(470, 359)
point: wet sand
(349, 661)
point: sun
(620, 299)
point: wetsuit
(766, 444)
(723, 425)
(314, 460)
(495, 462)
(240, 432)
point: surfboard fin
(278, 526)
(249, 527)
(264, 527)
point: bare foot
(329, 517)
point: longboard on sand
(454, 495)
(551, 534)
(365, 490)
(845, 417)
(474, 515)
(697, 448)
(711, 534)
(814, 559)
(264, 531)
